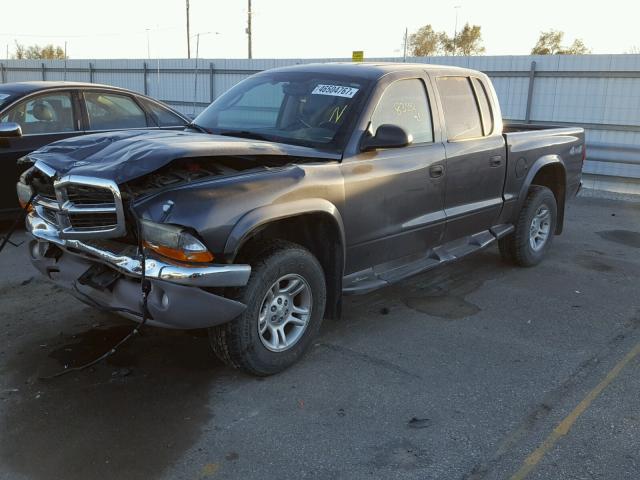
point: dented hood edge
(125, 155)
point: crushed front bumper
(177, 298)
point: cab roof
(370, 70)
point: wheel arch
(548, 171)
(316, 224)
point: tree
(550, 43)
(467, 41)
(36, 52)
(426, 41)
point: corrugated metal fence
(599, 92)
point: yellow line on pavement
(565, 425)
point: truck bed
(529, 143)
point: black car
(50, 111)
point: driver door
(44, 118)
(394, 198)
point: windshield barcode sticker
(335, 91)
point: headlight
(174, 242)
(24, 191)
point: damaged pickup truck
(295, 187)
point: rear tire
(274, 331)
(534, 229)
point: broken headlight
(174, 242)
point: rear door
(476, 162)
(44, 118)
(394, 197)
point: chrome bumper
(124, 259)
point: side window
(47, 113)
(461, 112)
(404, 103)
(108, 111)
(161, 116)
(485, 106)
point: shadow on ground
(132, 415)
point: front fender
(278, 211)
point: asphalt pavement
(478, 370)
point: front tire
(285, 298)
(534, 230)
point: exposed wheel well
(317, 232)
(554, 178)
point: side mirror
(10, 129)
(386, 136)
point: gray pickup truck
(296, 186)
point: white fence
(599, 92)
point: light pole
(148, 45)
(249, 32)
(455, 30)
(188, 34)
(195, 70)
(406, 43)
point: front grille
(80, 207)
(87, 195)
(91, 221)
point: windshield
(310, 109)
(4, 98)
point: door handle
(436, 171)
(495, 161)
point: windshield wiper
(197, 127)
(243, 134)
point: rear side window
(161, 116)
(461, 112)
(404, 103)
(485, 106)
(108, 111)
(4, 98)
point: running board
(392, 272)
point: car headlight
(25, 192)
(174, 242)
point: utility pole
(406, 38)
(249, 53)
(188, 33)
(455, 30)
(65, 61)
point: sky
(305, 29)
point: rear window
(485, 106)
(461, 112)
(4, 98)
(161, 116)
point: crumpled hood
(125, 155)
